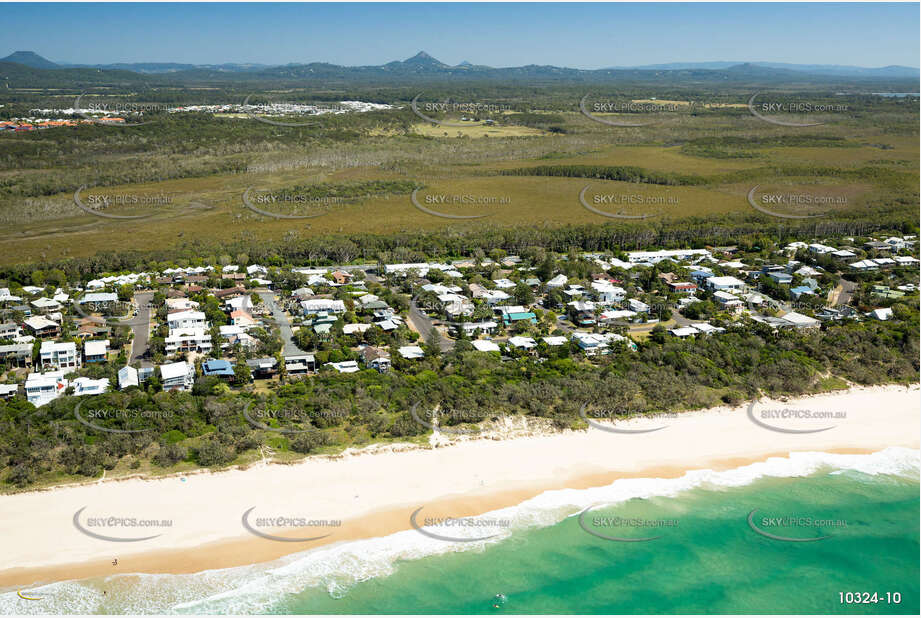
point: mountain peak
(29, 59)
(424, 58)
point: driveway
(284, 324)
(423, 325)
(140, 326)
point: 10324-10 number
(853, 598)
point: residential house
(8, 391)
(345, 366)
(728, 301)
(43, 388)
(606, 292)
(10, 330)
(780, 277)
(63, 355)
(187, 319)
(300, 364)
(262, 368)
(682, 287)
(42, 327)
(177, 376)
(522, 343)
(411, 352)
(483, 345)
(654, 257)
(471, 328)
(127, 376)
(188, 340)
(89, 386)
(884, 313)
(725, 284)
(219, 368)
(316, 305)
(798, 320)
(16, 354)
(376, 358)
(96, 351)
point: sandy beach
(374, 494)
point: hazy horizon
(869, 35)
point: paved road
(423, 325)
(284, 325)
(140, 325)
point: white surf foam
(335, 568)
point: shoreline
(393, 447)
(462, 479)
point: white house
(345, 366)
(884, 313)
(638, 306)
(799, 320)
(411, 352)
(487, 326)
(485, 346)
(62, 356)
(88, 386)
(42, 388)
(177, 376)
(607, 292)
(726, 284)
(186, 319)
(494, 297)
(522, 343)
(316, 305)
(188, 340)
(127, 376)
(672, 254)
(95, 351)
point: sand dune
(374, 494)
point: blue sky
(510, 34)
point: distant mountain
(21, 70)
(839, 70)
(424, 60)
(165, 67)
(30, 59)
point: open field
(871, 160)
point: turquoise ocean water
(704, 554)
